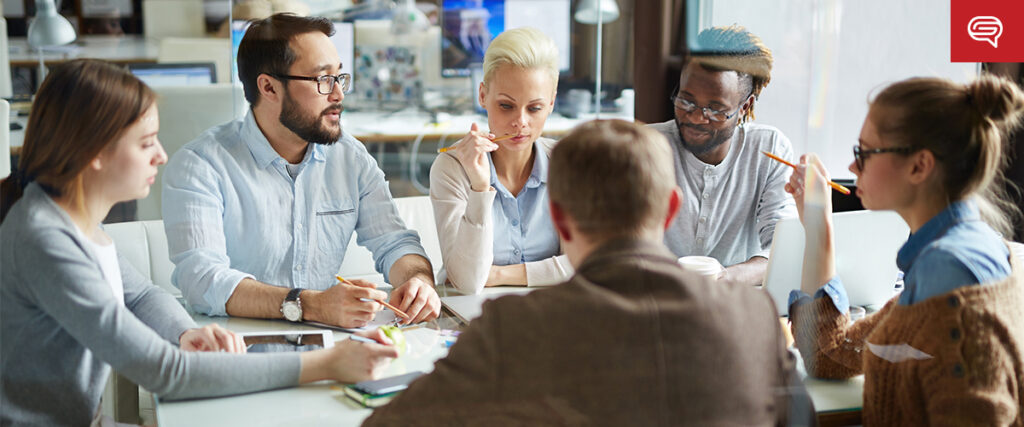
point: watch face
(291, 311)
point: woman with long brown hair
(949, 350)
(71, 309)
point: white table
(308, 405)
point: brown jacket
(631, 339)
(954, 359)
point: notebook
(866, 243)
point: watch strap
(293, 295)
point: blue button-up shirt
(953, 249)
(232, 211)
(523, 231)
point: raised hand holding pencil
(379, 301)
(838, 187)
(471, 151)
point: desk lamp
(597, 12)
(48, 29)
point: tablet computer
(287, 341)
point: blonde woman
(490, 193)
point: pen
(498, 139)
(362, 339)
(381, 302)
(838, 187)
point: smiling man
(259, 211)
(737, 192)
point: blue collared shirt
(523, 231)
(232, 211)
(953, 249)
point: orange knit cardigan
(954, 359)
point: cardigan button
(954, 334)
(954, 302)
(958, 370)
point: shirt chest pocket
(335, 223)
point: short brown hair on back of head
(614, 178)
(265, 48)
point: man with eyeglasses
(733, 194)
(259, 211)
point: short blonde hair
(613, 177)
(526, 48)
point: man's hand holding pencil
(349, 304)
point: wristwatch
(291, 308)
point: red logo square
(986, 31)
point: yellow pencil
(498, 139)
(381, 302)
(838, 187)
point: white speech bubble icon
(985, 28)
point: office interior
(416, 67)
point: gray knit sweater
(61, 329)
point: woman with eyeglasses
(948, 350)
(71, 308)
(490, 192)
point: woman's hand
(809, 186)
(349, 361)
(471, 151)
(211, 338)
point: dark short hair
(265, 47)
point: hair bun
(997, 99)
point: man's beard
(310, 129)
(716, 137)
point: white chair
(144, 244)
(198, 49)
(418, 215)
(185, 112)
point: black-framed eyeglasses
(325, 83)
(711, 114)
(860, 154)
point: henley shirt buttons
(705, 195)
(703, 219)
(298, 267)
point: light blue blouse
(523, 231)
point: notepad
(469, 307)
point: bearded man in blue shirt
(259, 211)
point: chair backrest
(418, 215)
(144, 244)
(5, 138)
(185, 113)
(198, 49)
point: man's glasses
(325, 83)
(711, 114)
(860, 154)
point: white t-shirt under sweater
(107, 257)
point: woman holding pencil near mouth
(489, 191)
(948, 350)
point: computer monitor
(175, 74)
(343, 39)
(468, 26)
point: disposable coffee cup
(702, 265)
